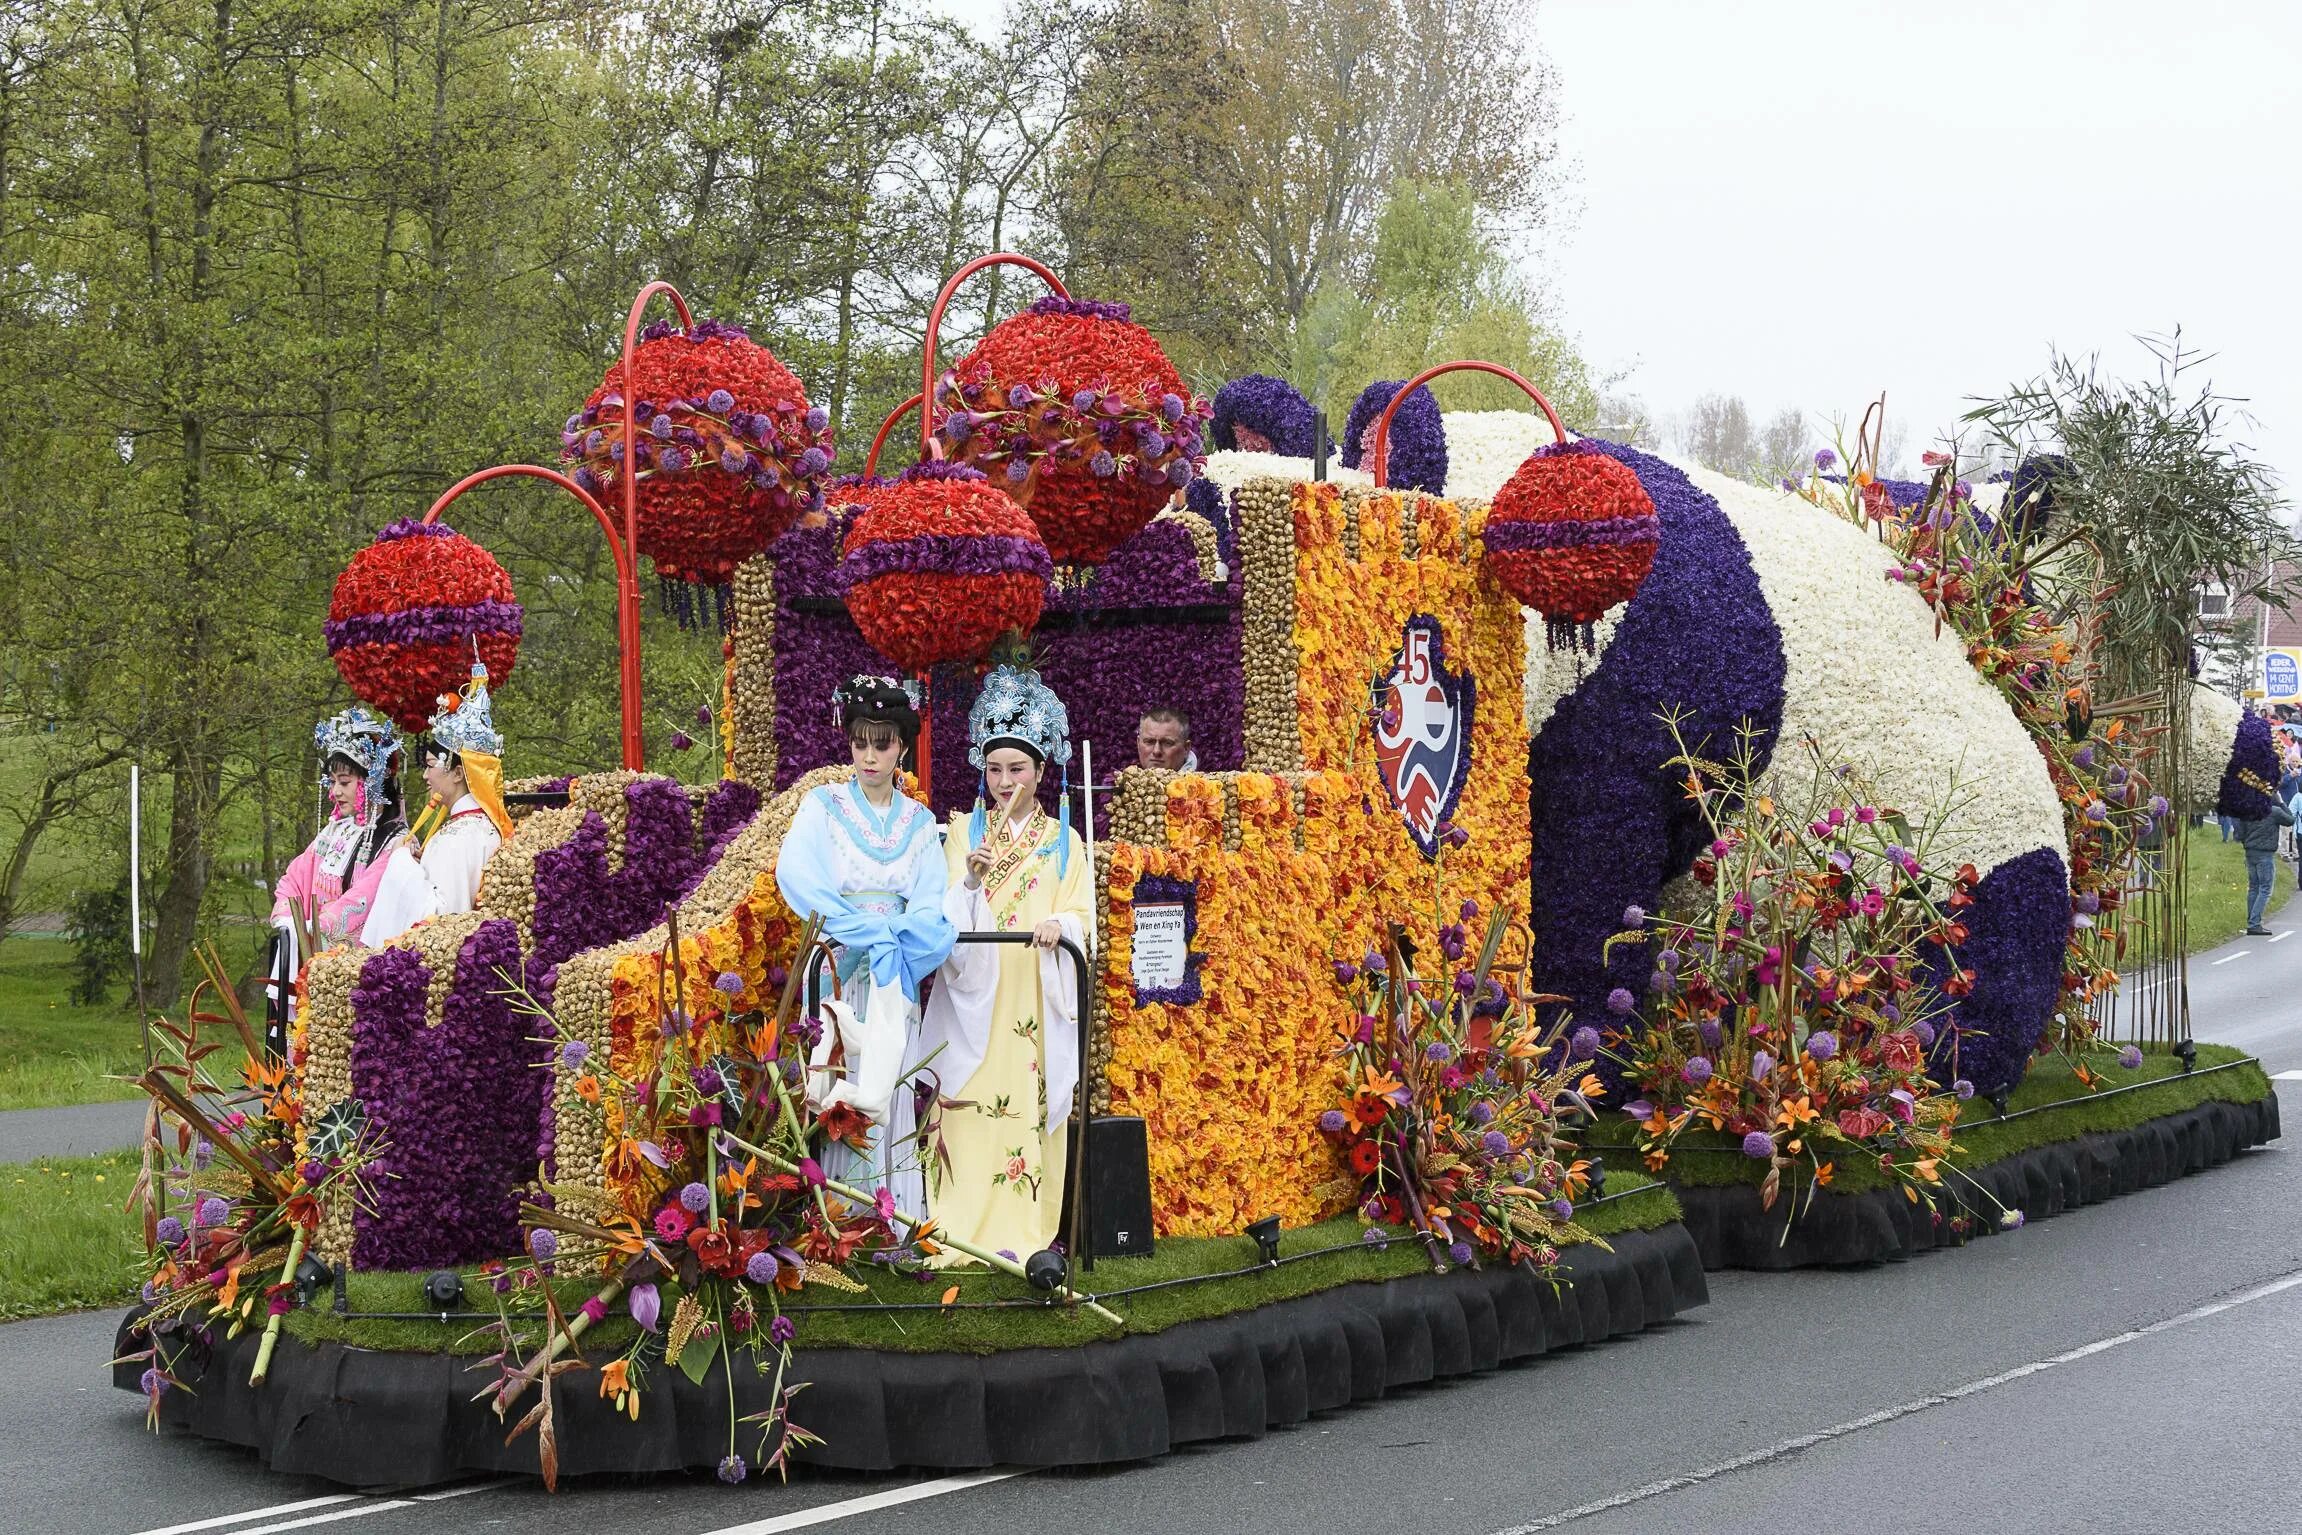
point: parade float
(1576, 842)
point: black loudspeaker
(1119, 1188)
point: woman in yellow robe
(1001, 1029)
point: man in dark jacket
(2259, 839)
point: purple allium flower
(153, 1382)
(1563, 1208)
(203, 1153)
(211, 1212)
(1460, 1252)
(1018, 469)
(1171, 406)
(1495, 1143)
(2097, 812)
(1709, 1032)
(660, 426)
(1373, 1236)
(761, 1268)
(733, 1470)
(1439, 1051)
(1669, 960)
(2010, 1221)
(1620, 1001)
(1697, 1070)
(170, 1231)
(1102, 465)
(783, 1329)
(2131, 1057)
(1891, 1012)
(1822, 1044)
(1758, 1145)
(1634, 915)
(1963, 1088)
(1332, 1121)
(1481, 1112)
(817, 418)
(813, 462)
(1465, 983)
(1019, 396)
(681, 740)
(728, 983)
(1925, 1033)
(1178, 471)
(574, 1053)
(1583, 1043)
(1345, 972)
(2158, 806)
(544, 1243)
(1824, 458)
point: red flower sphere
(939, 566)
(407, 613)
(1571, 534)
(1074, 410)
(729, 452)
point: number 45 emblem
(1422, 727)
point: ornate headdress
(365, 740)
(466, 723)
(1017, 709)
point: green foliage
(67, 1241)
(99, 936)
(50, 1051)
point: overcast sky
(1805, 202)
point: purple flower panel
(1610, 825)
(2016, 931)
(456, 1108)
(2253, 751)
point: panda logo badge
(1422, 728)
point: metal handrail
(1080, 1254)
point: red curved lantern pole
(928, 448)
(626, 583)
(886, 429)
(1379, 464)
(935, 324)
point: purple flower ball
(1634, 915)
(1822, 1044)
(761, 1268)
(1438, 1051)
(733, 1470)
(1564, 1209)
(1583, 1043)
(1824, 458)
(783, 1329)
(1460, 1252)
(695, 1198)
(814, 461)
(1697, 1070)
(1374, 963)
(1925, 1033)
(1668, 959)
(1332, 1121)
(1758, 1145)
(1963, 1088)
(1495, 1143)
(170, 1231)
(728, 983)
(544, 1243)
(1345, 972)
(212, 1212)
(1373, 1236)
(574, 1053)
(1481, 1112)
(153, 1382)
(2131, 1057)
(1620, 1001)
(1019, 396)
(817, 418)
(203, 1153)
(1709, 1032)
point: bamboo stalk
(1004, 1265)
(562, 1340)
(272, 1323)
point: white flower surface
(1232, 468)
(1872, 683)
(1486, 447)
(2213, 732)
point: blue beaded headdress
(365, 740)
(467, 724)
(1017, 709)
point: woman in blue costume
(866, 859)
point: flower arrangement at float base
(229, 1211)
(939, 566)
(410, 610)
(1454, 1102)
(727, 451)
(1793, 1011)
(1980, 575)
(1075, 411)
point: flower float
(408, 612)
(1418, 437)
(1572, 534)
(727, 450)
(939, 565)
(2250, 777)
(1262, 414)
(1075, 411)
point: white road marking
(2282, 933)
(220, 1520)
(871, 1503)
(2227, 958)
(356, 1511)
(468, 1489)
(2286, 1076)
(1793, 1446)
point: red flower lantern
(729, 452)
(408, 612)
(939, 566)
(1571, 534)
(1075, 411)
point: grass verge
(52, 1052)
(2160, 1087)
(829, 1318)
(66, 1241)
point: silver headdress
(363, 739)
(1016, 708)
(467, 723)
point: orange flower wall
(1295, 870)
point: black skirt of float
(366, 1418)
(1733, 1231)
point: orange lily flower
(1794, 1112)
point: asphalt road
(2136, 1366)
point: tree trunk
(192, 796)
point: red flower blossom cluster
(939, 566)
(407, 612)
(728, 451)
(1076, 412)
(1571, 534)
